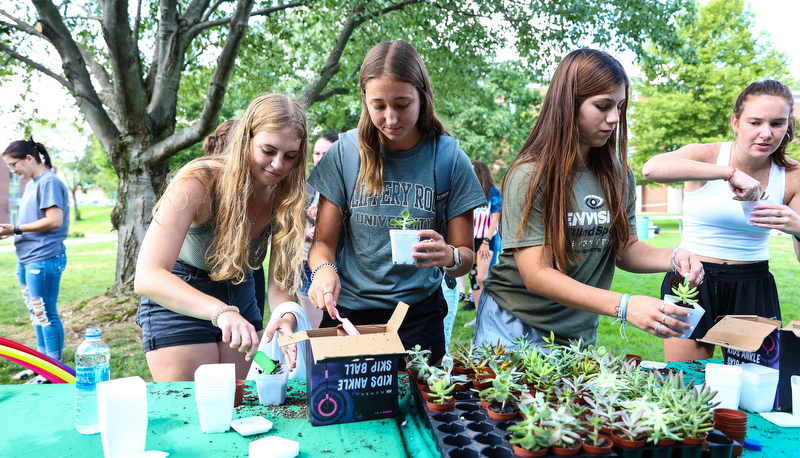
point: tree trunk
(77, 212)
(138, 191)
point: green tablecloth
(38, 421)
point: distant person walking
(39, 241)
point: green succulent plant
(685, 294)
(406, 221)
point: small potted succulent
(403, 240)
(527, 438)
(272, 378)
(501, 397)
(629, 431)
(564, 431)
(595, 443)
(440, 398)
(684, 296)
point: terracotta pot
(239, 396)
(459, 368)
(479, 384)
(635, 358)
(525, 453)
(458, 387)
(503, 415)
(662, 443)
(446, 407)
(603, 449)
(623, 442)
(485, 404)
(412, 373)
(426, 395)
(729, 414)
(694, 440)
(566, 451)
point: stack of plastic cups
(122, 416)
(732, 423)
(727, 381)
(759, 385)
(215, 387)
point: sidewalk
(7, 245)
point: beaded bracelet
(731, 174)
(324, 264)
(227, 308)
(672, 260)
(622, 313)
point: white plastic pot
(695, 313)
(272, 387)
(403, 245)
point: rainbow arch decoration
(52, 370)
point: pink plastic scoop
(348, 326)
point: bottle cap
(752, 444)
(93, 332)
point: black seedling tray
(468, 432)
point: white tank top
(714, 225)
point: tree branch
(21, 26)
(97, 70)
(36, 66)
(211, 10)
(163, 150)
(335, 91)
(137, 23)
(332, 64)
(125, 64)
(200, 26)
(74, 67)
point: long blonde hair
(399, 60)
(230, 181)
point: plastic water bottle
(92, 360)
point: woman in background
(734, 249)
(39, 242)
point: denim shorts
(303, 291)
(162, 327)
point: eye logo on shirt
(593, 202)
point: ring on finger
(664, 319)
(658, 328)
(327, 292)
(780, 213)
(662, 308)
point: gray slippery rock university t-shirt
(369, 279)
(590, 228)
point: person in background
(39, 237)
(485, 220)
(568, 220)
(320, 148)
(396, 142)
(734, 246)
(209, 229)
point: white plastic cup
(272, 387)
(122, 416)
(215, 388)
(759, 386)
(749, 206)
(796, 395)
(727, 381)
(695, 313)
(403, 246)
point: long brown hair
(776, 89)
(553, 146)
(484, 177)
(399, 60)
(230, 181)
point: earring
(735, 135)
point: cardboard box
(753, 339)
(352, 378)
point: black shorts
(733, 289)
(423, 324)
(162, 327)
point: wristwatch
(17, 230)
(487, 240)
(456, 258)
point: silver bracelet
(672, 260)
(227, 308)
(324, 264)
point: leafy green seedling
(264, 362)
(407, 221)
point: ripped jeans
(40, 282)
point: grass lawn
(90, 271)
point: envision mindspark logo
(594, 202)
